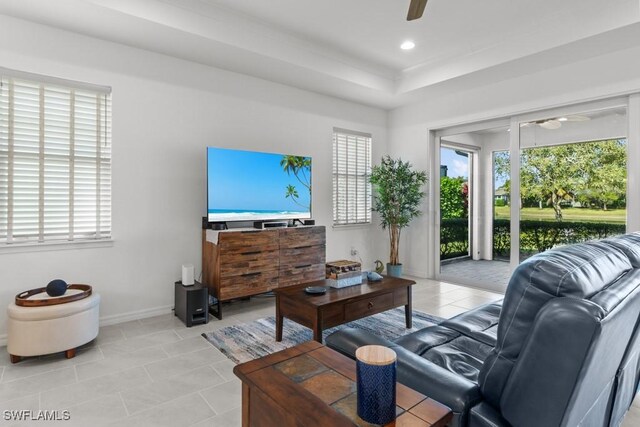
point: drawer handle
(302, 266)
(250, 253)
(303, 247)
(251, 274)
(370, 305)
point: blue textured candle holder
(376, 391)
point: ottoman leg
(70, 354)
(14, 358)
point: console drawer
(301, 273)
(250, 261)
(292, 257)
(246, 241)
(301, 237)
(248, 284)
(366, 307)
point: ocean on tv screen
(248, 215)
(247, 185)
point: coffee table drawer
(366, 307)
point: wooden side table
(313, 385)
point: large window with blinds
(351, 171)
(55, 160)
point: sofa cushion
(577, 271)
(423, 340)
(462, 355)
(481, 323)
(629, 244)
(459, 354)
(460, 344)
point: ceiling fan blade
(550, 124)
(578, 118)
(416, 9)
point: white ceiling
(350, 48)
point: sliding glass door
(518, 186)
(573, 179)
(466, 201)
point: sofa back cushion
(629, 244)
(576, 271)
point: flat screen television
(254, 186)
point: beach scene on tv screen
(248, 185)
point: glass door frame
(472, 214)
(630, 101)
(515, 149)
(433, 266)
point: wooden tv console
(239, 263)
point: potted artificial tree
(397, 197)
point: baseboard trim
(415, 273)
(114, 319)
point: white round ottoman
(34, 331)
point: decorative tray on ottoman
(343, 273)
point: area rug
(251, 340)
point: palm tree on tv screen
(301, 169)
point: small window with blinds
(351, 171)
(55, 160)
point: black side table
(191, 303)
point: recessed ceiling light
(562, 119)
(407, 45)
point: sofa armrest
(452, 390)
(348, 340)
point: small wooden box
(344, 273)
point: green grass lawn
(568, 214)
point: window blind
(55, 161)
(351, 171)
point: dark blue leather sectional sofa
(561, 349)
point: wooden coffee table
(339, 306)
(312, 385)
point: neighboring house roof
(501, 192)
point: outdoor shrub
(452, 199)
(538, 236)
(501, 238)
(500, 203)
(454, 237)
(535, 236)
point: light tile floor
(157, 372)
(470, 272)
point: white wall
(598, 77)
(165, 112)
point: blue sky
(458, 166)
(250, 180)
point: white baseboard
(134, 315)
(415, 273)
(120, 318)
